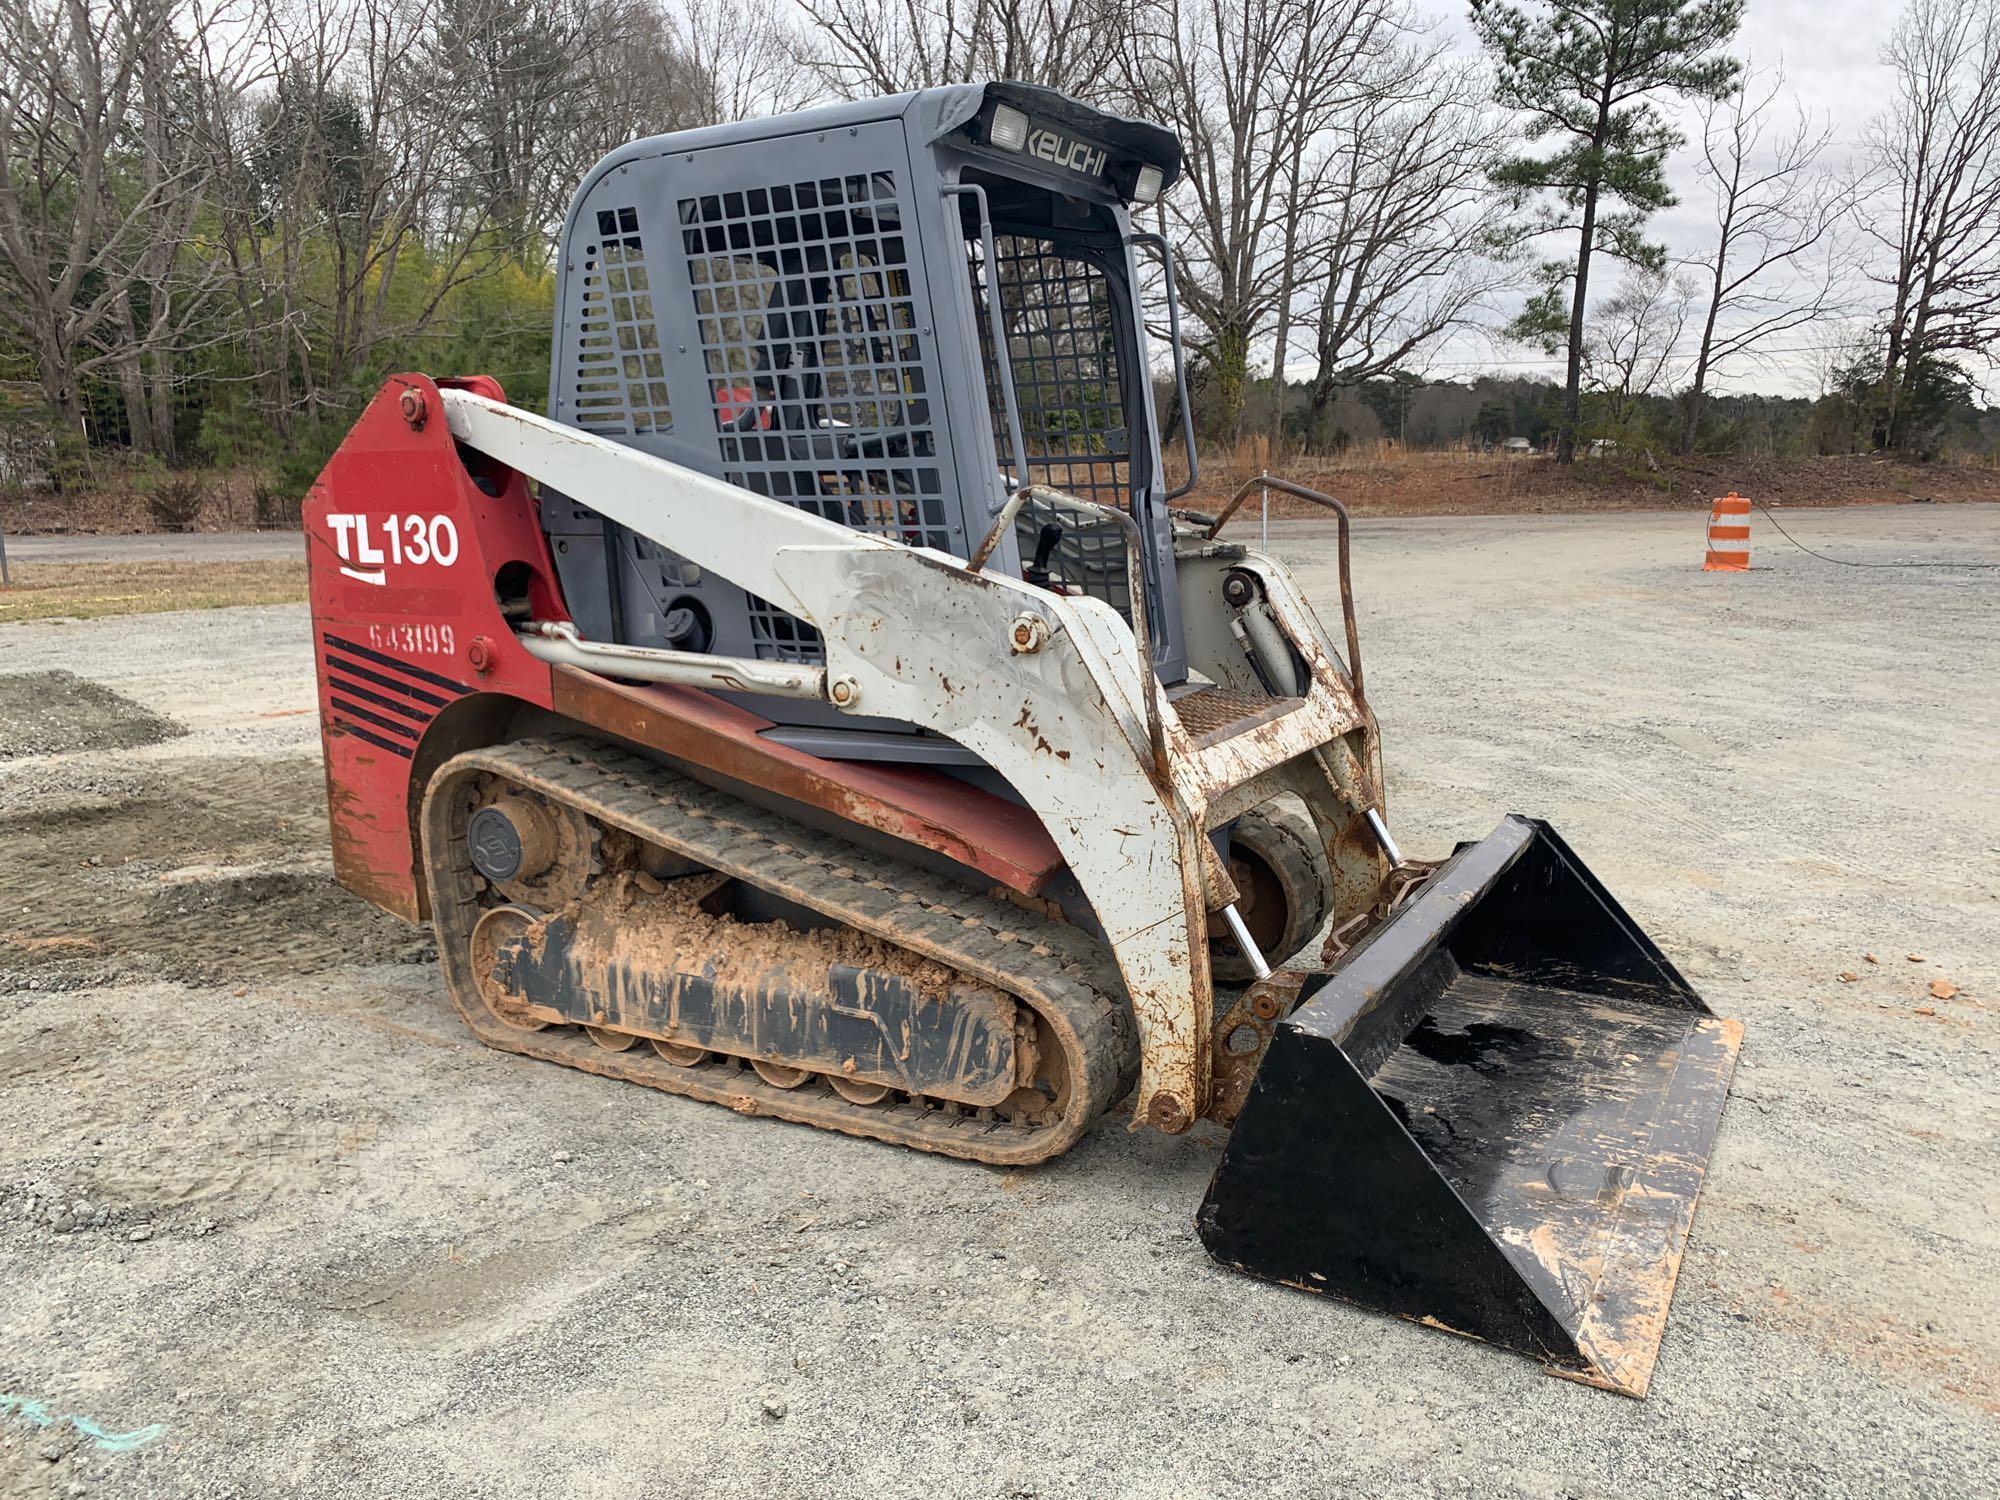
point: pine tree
(1585, 74)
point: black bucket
(1493, 1118)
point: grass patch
(89, 591)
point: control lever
(1046, 542)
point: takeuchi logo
(1059, 150)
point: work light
(1009, 129)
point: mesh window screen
(1061, 322)
(621, 381)
(808, 330)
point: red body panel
(998, 838)
(415, 663)
(406, 626)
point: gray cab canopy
(799, 305)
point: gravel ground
(269, 1224)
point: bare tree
(358, 165)
(102, 170)
(176, 175)
(246, 250)
(1937, 149)
(173, 280)
(1774, 265)
(653, 82)
(1404, 222)
(860, 48)
(527, 94)
(1251, 87)
(513, 74)
(744, 56)
(1631, 339)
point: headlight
(1146, 186)
(1008, 129)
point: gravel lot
(269, 1224)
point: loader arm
(1048, 690)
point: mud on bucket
(1494, 1119)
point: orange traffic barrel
(1728, 535)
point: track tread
(1065, 975)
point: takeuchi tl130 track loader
(844, 729)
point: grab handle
(1285, 486)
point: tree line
(223, 221)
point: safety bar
(1285, 486)
(1180, 360)
(1135, 575)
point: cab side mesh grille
(815, 355)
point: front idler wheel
(503, 1000)
(529, 849)
(1280, 870)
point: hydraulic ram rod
(558, 644)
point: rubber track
(1069, 979)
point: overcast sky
(1829, 52)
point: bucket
(1493, 1118)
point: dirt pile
(48, 713)
(194, 870)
